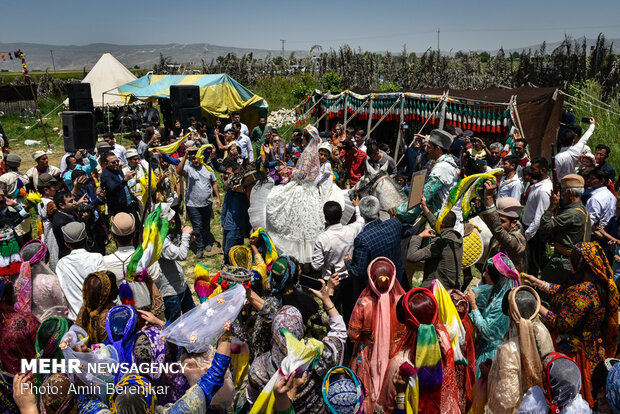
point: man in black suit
(114, 182)
(65, 214)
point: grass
(8, 77)
(15, 128)
(607, 124)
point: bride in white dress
(293, 214)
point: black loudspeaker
(184, 115)
(80, 98)
(81, 104)
(78, 90)
(184, 96)
(79, 131)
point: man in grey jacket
(443, 256)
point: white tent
(106, 76)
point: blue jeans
(231, 238)
(174, 305)
(201, 222)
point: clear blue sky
(372, 25)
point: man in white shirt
(244, 141)
(141, 167)
(510, 185)
(74, 267)
(332, 247)
(537, 203)
(118, 150)
(568, 156)
(123, 231)
(602, 204)
(236, 117)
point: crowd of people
(354, 329)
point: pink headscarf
(504, 265)
(23, 284)
(382, 324)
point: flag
(154, 233)
(299, 357)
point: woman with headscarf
(135, 394)
(485, 301)
(150, 347)
(99, 293)
(343, 393)
(61, 401)
(121, 324)
(307, 397)
(465, 374)
(284, 284)
(375, 329)
(425, 355)
(559, 391)
(49, 335)
(583, 318)
(37, 288)
(517, 366)
(18, 333)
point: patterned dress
(578, 318)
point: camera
(84, 208)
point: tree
(484, 57)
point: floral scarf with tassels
(594, 256)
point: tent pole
(370, 114)
(442, 120)
(514, 105)
(346, 109)
(399, 140)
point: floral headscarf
(594, 257)
(90, 316)
(61, 401)
(144, 396)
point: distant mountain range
(38, 56)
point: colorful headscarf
(504, 266)
(612, 393)
(121, 328)
(451, 319)
(49, 335)
(23, 284)
(90, 317)
(271, 253)
(284, 268)
(594, 256)
(343, 392)
(427, 349)
(147, 396)
(562, 381)
(242, 256)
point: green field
(8, 77)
